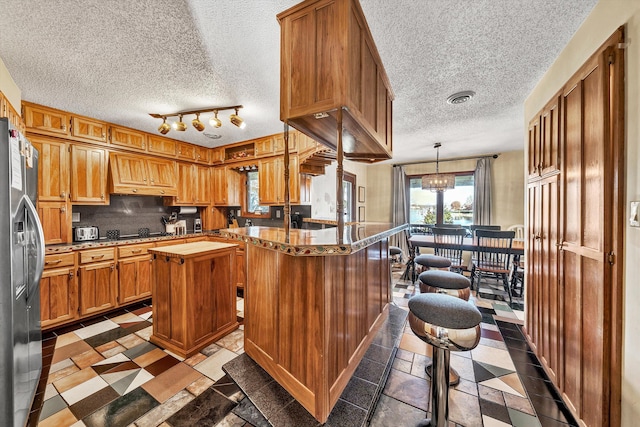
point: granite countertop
(190, 250)
(105, 243)
(327, 221)
(299, 242)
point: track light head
(215, 121)
(236, 120)
(180, 125)
(197, 123)
(164, 127)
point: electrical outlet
(238, 213)
(278, 213)
(75, 217)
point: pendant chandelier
(439, 181)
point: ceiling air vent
(460, 97)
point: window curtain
(482, 192)
(399, 215)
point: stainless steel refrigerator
(21, 265)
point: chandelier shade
(439, 181)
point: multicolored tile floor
(106, 373)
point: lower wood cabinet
(98, 280)
(134, 273)
(58, 290)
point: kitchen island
(314, 300)
(194, 295)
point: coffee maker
(197, 225)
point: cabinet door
(134, 278)
(186, 151)
(53, 170)
(219, 181)
(550, 137)
(128, 138)
(294, 180)
(217, 155)
(46, 121)
(89, 175)
(186, 184)
(98, 287)
(271, 179)
(56, 222)
(202, 154)
(203, 195)
(163, 173)
(58, 296)
(89, 130)
(534, 148)
(278, 143)
(162, 146)
(263, 146)
(241, 269)
(304, 143)
(130, 169)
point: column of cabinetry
(89, 171)
(58, 290)
(98, 280)
(134, 272)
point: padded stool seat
(394, 250)
(448, 324)
(428, 261)
(445, 282)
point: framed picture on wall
(361, 194)
(361, 214)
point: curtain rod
(495, 156)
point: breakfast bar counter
(314, 301)
(194, 295)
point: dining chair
(410, 269)
(474, 227)
(519, 229)
(448, 244)
(493, 257)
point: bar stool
(428, 261)
(395, 254)
(450, 283)
(448, 324)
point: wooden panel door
(263, 146)
(202, 154)
(186, 184)
(98, 287)
(134, 278)
(534, 148)
(129, 169)
(162, 146)
(45, 121)
(89, 175)
(162, 173)
(271, 178)
(58, 296)
(129, 138)
(186, 151)
(90, 130)
(53, 170)
(219, 184)
(56, 222)
(549, 152)
(203, 194)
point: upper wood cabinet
(56, 221)
(225, 184)
(45, 121)
(202, 154)
(278, 143)
(86, 129)
(193, 186)
(128, 138)
(271, 179)
(53, 169)
(330, 64)
(161, 145)
(544, 140)
(7, 110)
(134, 174)
(89, 175)
(263, 146)
(186, 151)
(217, 155)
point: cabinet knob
(135, 190)
(64, 128)
(63, 209)
(71, 275)
(143, 145)
(102, 197)
(104, 136)
(63, 195)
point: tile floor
(106, 373)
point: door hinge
(611, 257)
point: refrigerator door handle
(39, 234)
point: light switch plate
(278, 213)
(634, 220)
(75, 217)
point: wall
(323, 189)
(605, 18)
(508, 186)
(9, 88)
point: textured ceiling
(118, 60)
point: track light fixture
(214, 121)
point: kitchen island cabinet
(314, 300)
(194, 295)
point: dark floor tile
(408, 389)
(549, 408)
(523, 356)
(246, 373)
(550, 422)
(116, 313)
(484, 310)
(122, 411)
(481, 373)
(488, 318)
(378, 354)
(93, 321)
(346, 414)
(385, 339)
(114, 334)
(92, 403)
(530, 370)
(161, 365)
(360, 393)
(507, 325)
(492, 335)
(139, 350)
(270, 399)
(512, 334)
(493, 410)
(52, 406)
(516, 344)
(539, 387)
(248, 412)
(206, 410)
(67, 328)
(294, 414)
(370, 370)
(226, 386)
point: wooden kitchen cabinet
(128, 138)
(278, 143)
(58, 290)
(202, 154)
(45, 121)
(226, 186)
(90, 130)
(217, 155)
(329, 64)
(271, 177)
(7, 110)
(186, 151)
(263, 146)
(161, 145)
(53, 169)
(89, 175)
(135, 174)
(97, 280)
(55, 218)
(544, 140)
(241, 260)
(203, 192)
(134, 272)
(193, 186)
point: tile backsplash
(128, 214)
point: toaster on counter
(82, 234)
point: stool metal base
(454, 377)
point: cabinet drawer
(59, 260)
(97, 255)
(133, 250)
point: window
(253, 198)
(455, 206)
